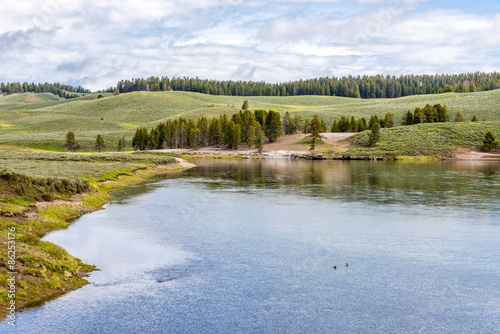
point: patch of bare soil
(468, 154)
(32, 99)
(21, 217)
(75, 201)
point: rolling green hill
(425, 139)
(42, 120)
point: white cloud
(99, 43)
(325, 51)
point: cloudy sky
(97, 43)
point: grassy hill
(425, 139)
(42, 120)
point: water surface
(249, 246)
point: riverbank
(469, 154)
(350, 146)
(33, 271)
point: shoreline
(460, 154)
(61, 214)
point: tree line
(244, 127)
(433, 114)
(351, 124)
(365, 87)
(63, 91)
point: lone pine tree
(489, 142)
(99, 143)
(459, 117)
(70, 141)
(375, 134)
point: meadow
(43, 124)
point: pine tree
(418, 116)
(315, 128)
(408, 118)
(489, 142)
(446, 114)
(153, 138)
(202, 125)
(261, 115)
(459, 117)
(120, 147)
(461, 88)
(375, 134)
(430, 114)
(191, 134)
(361, 125)
(289, 125)
(70, 141)
(389, 120)
(99, 143)
(251, 135)
(354, 125)
(323, 125)
(474, 119)
(313, 144)
(233, 135)
(217, 135)
(273, 126)
(135, 139)
(245, 105)
(347, 125)
(472, 87)
(306, 126)
(298, 122)
(374, 119)
(259, 137)
(224, 121)
(141, 139)
(335, 126)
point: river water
(249, 247)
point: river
(250, 247)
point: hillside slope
(42, 120)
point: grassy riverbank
(43, 192)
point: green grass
(44, 124)
(72, 166)
(426, 139)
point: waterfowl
(335, 267)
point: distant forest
(64, 91)
(366, 87)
